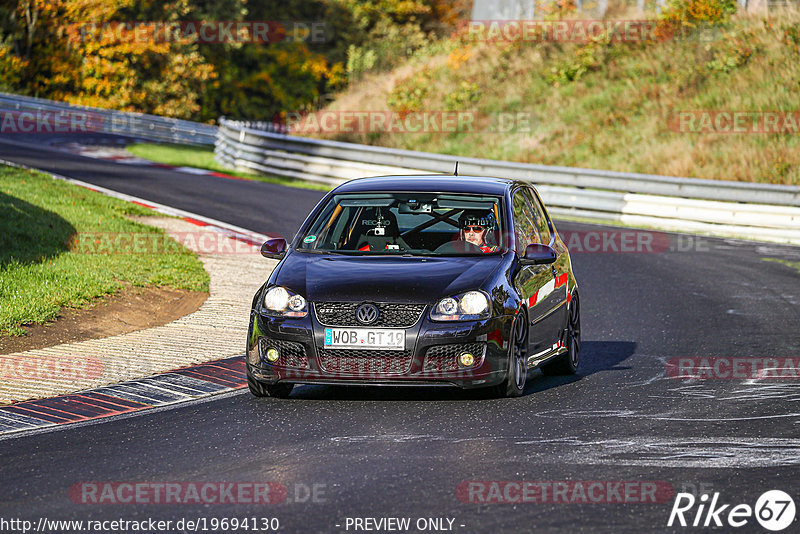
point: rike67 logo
(774, 510)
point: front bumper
(430, 358)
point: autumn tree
(110, 53)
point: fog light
(272, 355)
(466, 359)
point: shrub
(679, 17)
(791, 36)
(463, 97)
(359, 61)
(409, 95)
(733, 52)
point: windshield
(408, 223)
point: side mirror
(536, 254)
(274, 248)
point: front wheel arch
(517, 367)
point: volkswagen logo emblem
(367, 313)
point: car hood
(331, 278)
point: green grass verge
(203, 158)
(40, 274)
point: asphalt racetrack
(436, 456)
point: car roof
(431, 183)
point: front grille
(291, 354)
(443, 358)
(364, 363)
(389, 315)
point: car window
(524, 222)
(540, 217)
(407, 223)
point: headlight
(276, 299)
(280, 301)
(468, 306)
(448, 306)
(297, 303)
(473, 303)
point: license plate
(365, 338)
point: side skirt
(535, 360)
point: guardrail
(738, 209)
(138, 125)
(757, 211)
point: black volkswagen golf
(417, 280)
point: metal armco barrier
(138, 125)
(736, 209)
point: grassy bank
(40, 272)
(203, 158)
(606, 105)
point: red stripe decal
(90, 405)
(221, 372)
(213, 379)
(245, 240)
(229, 368)
(117, 401)
(43, 412)
(234, 364)
(43, 415)
(114, 404)
(195, 221)
(228, 176)
(73, 405)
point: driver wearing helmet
(474, 229)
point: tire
(567, 363)
(514, 384)
(260, 389)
